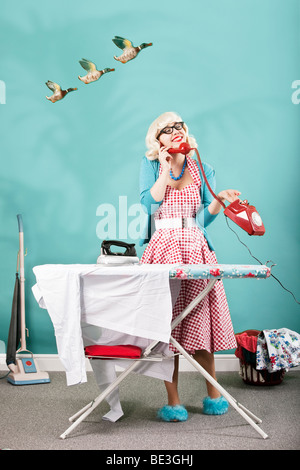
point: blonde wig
(162, 121)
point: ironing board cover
(220, 271)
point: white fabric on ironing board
(134, 300)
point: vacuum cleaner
(23, 370)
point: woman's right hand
(159, 188)
(164, 159)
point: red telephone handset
(183, 148)
(240, 212)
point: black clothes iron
(110, 257)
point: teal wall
(227, 67)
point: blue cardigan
(149, 173)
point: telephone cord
(260, 261)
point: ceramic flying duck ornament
(129, 51)
(92, 73)
(58, 93)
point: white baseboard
(52, 363)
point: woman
(173, 189)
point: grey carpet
(32, 417)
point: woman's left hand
(229, 195)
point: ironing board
(212, 273)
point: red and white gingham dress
(208, 326)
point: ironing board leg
(246, 414)
(74, 417)
(145, 354)
(84, 412)
(89, 408)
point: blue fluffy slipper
(215, 406)
(173, 413)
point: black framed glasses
(169, 129)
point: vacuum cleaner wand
(22, 283)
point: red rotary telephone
(240, 212)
